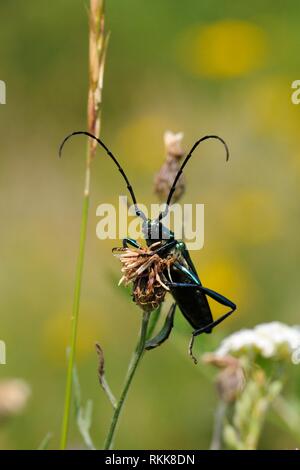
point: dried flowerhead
(164, 178)
(14, 394)
(144, 268)
(230, 380)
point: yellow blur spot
(253, 217)
(141, 140)
(272, 112)
(229, 48)
(226, 277)
(56, 336)
(272, 108)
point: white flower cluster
(271, 340)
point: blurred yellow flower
(270, 103)
(254, 217)
(224, 49)
(225, 276)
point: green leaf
(154, 318)
(164, 332)
(102, 379)
(83, 413)
(45, 442)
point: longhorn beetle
(182, 278)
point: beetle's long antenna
(207, 137)
(138, 211)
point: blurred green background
(200, 67)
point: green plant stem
(288, 416)
(137, 355)
(75, 311)
(216, 442)
(153, 321)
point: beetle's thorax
(154, 230)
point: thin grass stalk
(74, 322)
(137, 356)
(97, 53)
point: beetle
(181, 279)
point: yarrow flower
(270, 340)
(248, 387)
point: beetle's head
(154, 231)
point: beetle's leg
(212, 324)
(210, 293)
(190, 349)
(182, 284)
(221, 300)
(131, 242)
(218, 297)
(215, 296)
(164, 333)
(190, 274)
(165, 248)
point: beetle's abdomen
(191, 301)
(194, 306)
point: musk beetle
(181, 277)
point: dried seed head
(14, 394)
(164, 178)
(97, 51)
(173, 144)
(148, 293)
(230, 383)
(230, 380)
(145, 270)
